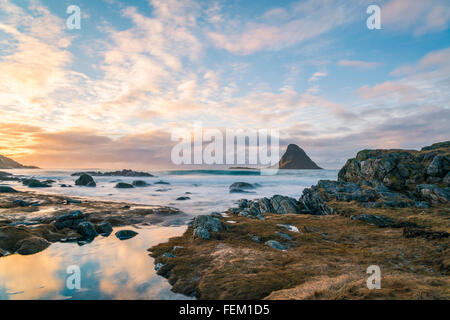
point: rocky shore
(388, 208)
(31, 222)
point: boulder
(85, 180)
(126, 234)
(71, 220)
(140, 183)
(123, 185)
(10, 236)
(241, 187)
(201, 233)
(87, 230)
(104, 228)
(208, 222)
(183, 198)
(31, 245)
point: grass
(327, 259)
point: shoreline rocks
(122, 173)
(85, 180)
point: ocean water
(114, 269)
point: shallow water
(114, 269)
(110, 269)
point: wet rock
(32, 245)
(104, 228)
(183, 198)
(71, 220)
(85, 180)
(255, 239)
(126, 234)
(168, 255)
(37, 184)
(7, 189)
(73, 201)
(275, 245)
(87, 230)
(379, 221)
(162, 182)
(123, 185)
(21, 203)
(4, 253)
(243, 203)
(158, 266)
(140, 183)
(265, 205)
(241, 187)
(10, 236)
(312, 202)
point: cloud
(316, 76)
(437, 59)
(364, 65)
(401, 92)
(419, 16)
(280, 28)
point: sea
(114, 269)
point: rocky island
(388, 208)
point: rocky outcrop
(85, 180)
(126, 234)
(203, 226)
(140, 184)
(7, 163)
(296, 158)
(385, 179)
(122, 173)
(7, 189)
(258, 208)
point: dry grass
(327, 259)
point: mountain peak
(296, 158)
(7, 163)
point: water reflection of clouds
(110, 269)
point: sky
(110, 94)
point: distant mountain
(296, 158)
(7, 163)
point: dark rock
(85, 180)
(21, 203)
(87, 230)
(243, 203)
(31, 245)
(201, 233)
(162, 182)
(183, 198)
(126, 234)
(242, 185)
(256, 239)
(208, 222)
(123, 185)
(33, 183)
(123, 173)
(140, 183)
(73, 201)
(71, 220)
(7, 189)
(275, 245)
(158, 266)
(10, 236)
(168, 255)
(104, 228)
(433, 193)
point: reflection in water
(110, 269)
